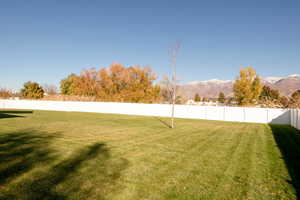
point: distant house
(190, 102)
(202, 103)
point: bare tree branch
(173, 53)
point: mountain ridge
(211, 88)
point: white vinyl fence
(235, 114)
(295, 118)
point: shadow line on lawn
(163, 122)
(12, 113)
(21, 151)
(30, 169)
(288, 140)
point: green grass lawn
(69, 155)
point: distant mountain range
(212, 88)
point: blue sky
(44, 41)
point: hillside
(211, 88)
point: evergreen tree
(221, 98)
(197, 98)
(205, 99)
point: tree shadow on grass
(3, 116)
(87, 173)
(12, 113)
(163, 122)
(21, 151)
(17, 111)
(288, 141)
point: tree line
(249, 90)
(114, 83)
(139, 85)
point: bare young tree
(50, 89)
(173, 53)
(166, 89)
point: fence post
(298, 120)
(267, 115)
(295, 115)
(295, 118)
(292, 120)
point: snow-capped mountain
(294, 76)
(214, 81)
(212, 88)
(272, 80)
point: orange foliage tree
(117, 83)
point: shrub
(32, 90)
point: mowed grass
(69, 155)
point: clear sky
(44, 41)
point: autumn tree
(197, 98)
(5, 93)
(269, 93)
(86, 84)
(247, 87)
(283, 101)
(140, 85)
(32, 90)
(221, 97)
(115, 83)
(69, 84)
(132, 84)
(295, 99)
(271, 97)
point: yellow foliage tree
(247, 87)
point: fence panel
(235, 114)
(257, 115)
(295, 118)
